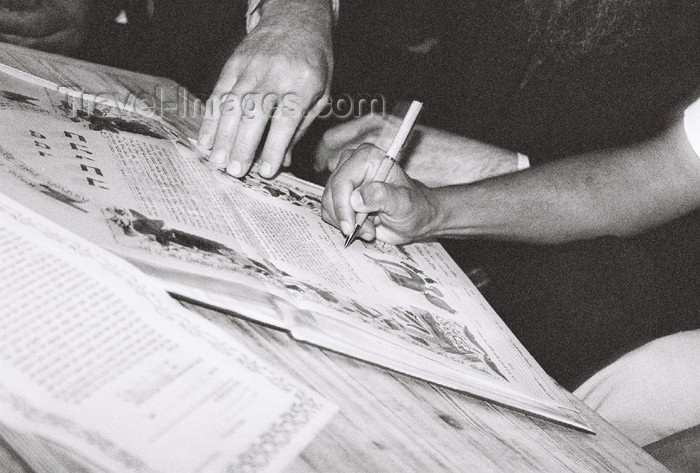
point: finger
(319, 104)
(308, 118)
(222, 91)
(328, 208)
(357, 170)
(342, 137)
(226, 128)
(250, 131)
(282, 129)
(210, 122)
(373, 197)
(385, 234)
(301, 129)
(327, 216)
(368, 232)
(327, 211)
(388, 203)
(368, 229)
(342, 209)
(340, 157)
(336, 162)
(302, 122)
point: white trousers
(651, 392)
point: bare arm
(434, 157)
(609, 192)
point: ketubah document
(101, 370)
(134, 185)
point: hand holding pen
(367, 182)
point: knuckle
(304, 72)
(354, 161)
(382, 192)
(308, 79)
(378, 192)
(224, 137)
(242, 150)
(403, 194)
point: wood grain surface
(387, 422)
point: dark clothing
(548, 104)
(580, 306)
(576, 307)
(186, 41)
(489, 80)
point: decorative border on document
(259, 454)
(33, 414)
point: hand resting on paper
(52, 25)
(279, 74)
(432, 156)
(406, 210)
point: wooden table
(387, 422)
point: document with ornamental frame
(101, 370)
(134, 184)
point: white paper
(98, 362)
(250, 245)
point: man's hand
(373, 128)
(280, 74)
(434, 157)
(51, 25)
(405, 210)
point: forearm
(611, 192)
(438, 158)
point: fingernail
(265, 169)
(234, 168)
(205, 138)
(345, 227)
(218, 158)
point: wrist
(453, 212)
(438, 212)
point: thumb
(374, 197)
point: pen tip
(352, 236)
